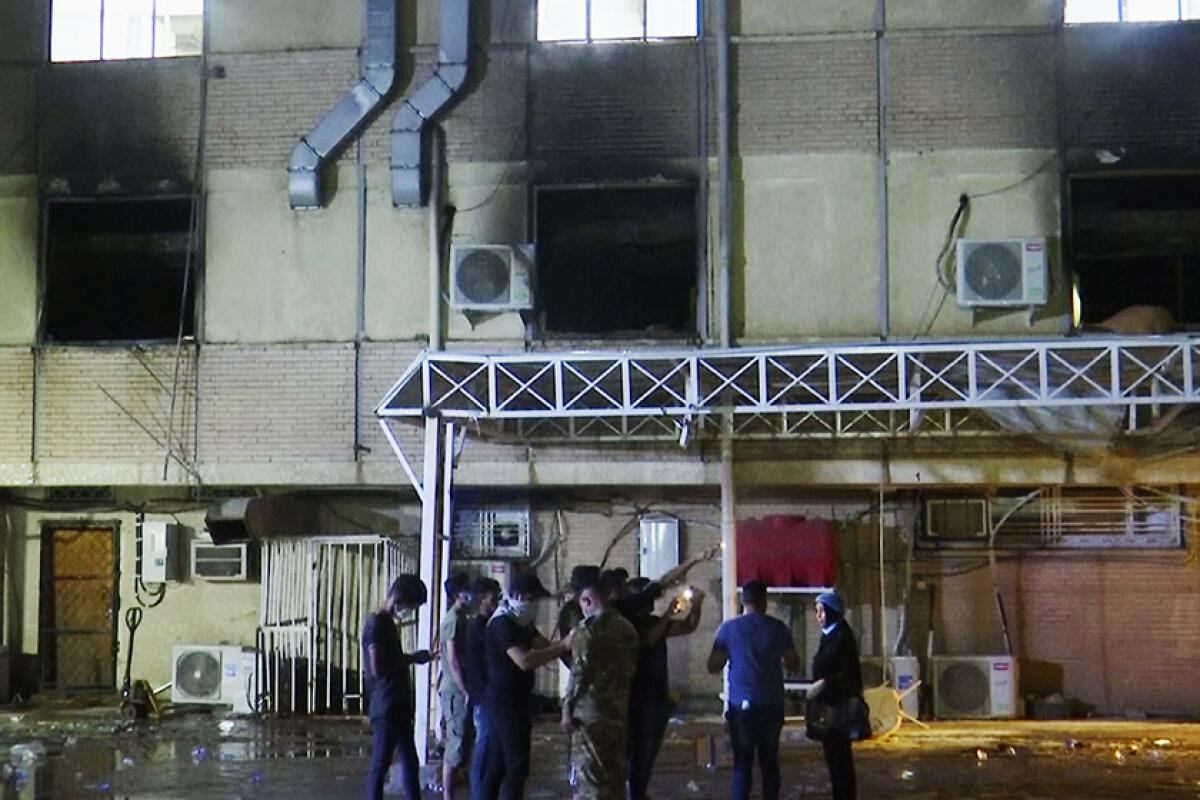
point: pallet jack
(138, 699)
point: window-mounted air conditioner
(218, 675)
(491, 277)
(491, 533)
(222, 562)
(974, 687)
(956, 519)
(1001, 272)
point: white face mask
(522, 611)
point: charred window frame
(1135, 241)
(618, 261)
(116, 270)
(590, 21)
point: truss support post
(431, 574)
(729, 585)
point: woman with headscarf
(837, 676)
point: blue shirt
(755, 644)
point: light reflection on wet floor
(93, 755)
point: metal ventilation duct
(352, 112)
(408, 173)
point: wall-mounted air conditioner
(491, 532)
(222, 562)
(1001, 272)
(956, 519)
(974, 687)
(491, 277)
(218, 675)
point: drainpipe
(435, 239)
(729, 605)
(353, 111)
(881, 110)
(724, 179)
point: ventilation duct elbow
(408, 163)
(352, 112)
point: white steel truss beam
(811, 391)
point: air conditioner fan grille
(993, 272)
(483, 277)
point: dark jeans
(647, 724)
(507, 752)
(479, 755)
(840, 760)
(393, 736)
(755, 730)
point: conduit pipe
(729, 601)
(408, 173)
(353, 111)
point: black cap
(409, 590)
(528, 585)
(583, 575)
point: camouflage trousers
(598, 760)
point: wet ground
(91, 753)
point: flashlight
(688, 594)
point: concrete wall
(278, 394)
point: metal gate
(316, 595)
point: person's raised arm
(689, 624)
(677, 574)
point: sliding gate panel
(316, 595)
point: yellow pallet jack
(139, 699)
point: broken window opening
(1135, 241)
(616, 20)
(617, 261)
(114, 270)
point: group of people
(616, 706)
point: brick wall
(131, 118)
(382, 364)
(957, 91)
(616, 101)
(94, 403)
(266, 102)
(1121, 626)
(16, 404)
(277, 404)
(807, 95)
(1131, 85)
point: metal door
(77, 632)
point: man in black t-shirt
(389, 690)
(485, 594)
(513, 650)
(649, 696)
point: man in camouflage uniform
(596, 707)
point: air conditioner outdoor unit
(218, 675)
(491, 533)
(1001, 272)
(491, 277)
(974, 687)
